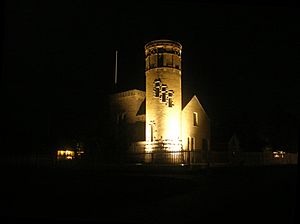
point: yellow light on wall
(173, 141)
(175, 146)
(148, 147)
(174, 129)
(163, 145)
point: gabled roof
(142, 108)
(195, 98)
(128, 92)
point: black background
(241, 60)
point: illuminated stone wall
(195, 124)
(163, 90)
(124, 116)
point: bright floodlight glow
(164, 145)
(173, 128)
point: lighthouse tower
(163, 95)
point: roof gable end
(195, 98)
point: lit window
(195, 118)
(65, 154)
(278, 154)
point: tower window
(170, 102)
(160, 60)
(161, 90)
(160, 50)
(156, 91)
(170, 98)
(156, 87)
(163, 93)
(123, 116)
(195, 118)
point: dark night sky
(241, 60)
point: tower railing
(164, 145)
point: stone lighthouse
(163, 95)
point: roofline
(163, 42)
(135, 90)
(129, 90)
(194, 96)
